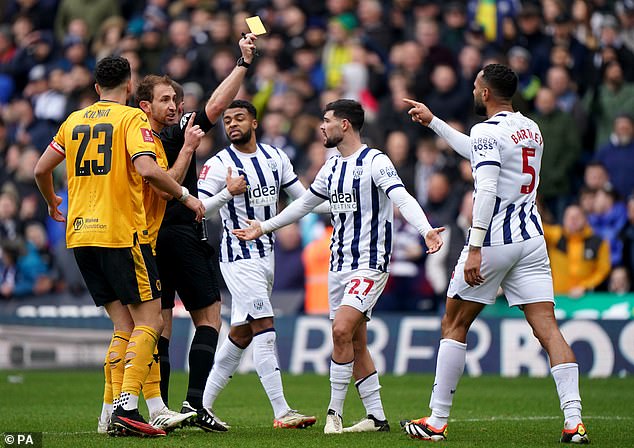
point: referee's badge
(357, 172)
(272, 164)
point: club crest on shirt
(357, 172)
(272, 164)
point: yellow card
(255, 25)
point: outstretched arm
(228, 88)
(420, 113)
(296, 190)
(414, 214)
(294, 212)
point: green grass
(488, 411)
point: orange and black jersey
(105, 193)
(153, 203)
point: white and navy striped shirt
(357, 187)
(514, 143)
(266, 172)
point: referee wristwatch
(242, 63)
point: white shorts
(521, 269)
(250, 283)
(359, 289)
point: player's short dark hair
(244, 104)
(145, 89)
(112, 71)
(501, 80)
(180, 92)
(351, 110)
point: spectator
(289, 274)
(607, 220)
(94, 12)
(612, 96)
(619, 283)
(316, 258)
(529, 83)
(618, 155)
(627, 236)
(403, 290)
(579, 259)
(397, 148)
(564, 148)
(9, 223)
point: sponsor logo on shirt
(341, 202)
(262, 195)
(482, 145)
(389, 172)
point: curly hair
(112, 71)
(501, 79)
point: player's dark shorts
(127, 274)
(185, 265)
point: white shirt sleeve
(486, 162)
(457, 140)
(293, 212)
(410, 209)
(288, 177)
(296, 190)
(384, 174)
(212, 189)
(386, 178)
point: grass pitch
(488, 411)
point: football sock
(107, 388)
(449, 367)
(566, 378)
(266, 365)
(340, 375)
(164, 360)
(138, 360)
(152, 386)
(154, 405)
(201, 359)
(227, 361)
(114, 357)
(369, 392)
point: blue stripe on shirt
(374, 227)
(275, 172)
(392, 187)
(342, 219)
(496, 210)
(522, 216)
(488, 162)
(388, 245)
(200, 190)
(354, 248)
(506, 225)
(536, 221)
(262, 179)
(247, 205)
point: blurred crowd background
(574, 59)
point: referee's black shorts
(185, 266)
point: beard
(242, 139)
(479, 108)
(333, 141)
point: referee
(183, 256)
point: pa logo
(258, 305)
(78, 223)
(357, 172)
(272, 164)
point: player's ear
(145, 106)
(255, 124)
(97, 89)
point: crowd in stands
(574, 60)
